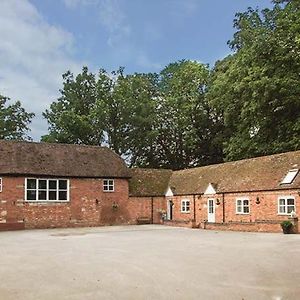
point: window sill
(242, 213)
(108, 191)
(282, 214)
(46, 201)
(185, 212)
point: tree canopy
(256, 89)
(14, 120)
(187, 115)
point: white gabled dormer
(210, 190)
(169, 192)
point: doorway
(170, 210)
(211, 211)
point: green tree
(14, 120)
(256, 90)
(128, 106)
(72, 117)
(186, 123)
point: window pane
(31, 184)
(52, 195)
(111, 187)
(239, 209)
(63, 184)
(31, 195)
(290, 201)
(239, 202)
(290, 209)
(43, 184)
(62, 195)
(246, 202)
(246, 209)
(282, 209)
(42, 195)
(52, 184)
(281, 201)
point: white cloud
(72, 4)
(110, 16)
(144, 61)
(33, 56)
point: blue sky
(44, 38)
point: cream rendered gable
(210, 190)
(169, 193)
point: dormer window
(290, 176)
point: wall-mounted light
(218, 201)
(257, 200)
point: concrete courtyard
(148, 262)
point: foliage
(286, 226)
(188, 115)
(186, 124)
(14, 120)
(256, 89)
(71, 117)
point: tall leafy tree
(14, 120)
(257, 89)
(127, 103)
(72, 117)
(186, 122)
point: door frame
(211, 217)
(170, 210)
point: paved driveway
(148, 262)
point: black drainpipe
(194, 199)
(223, 201)
(151, 210)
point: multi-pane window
(185, 206)
(0, 185)
(108, 185)
(242, 206)
(47, 189)
(286, 205)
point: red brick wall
(177, 214)
(141, 207)
(264, 214)
(88, 206)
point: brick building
(57, 185)
(249, 195)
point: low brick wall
(258, 226)
(179, 223)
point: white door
(211, 210)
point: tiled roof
(149, 182)
(261, 173)
(47, 159)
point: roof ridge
(239, 160)
(55, 144)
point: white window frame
(1, 183)
(285, 205)
(185, 206)
(107, 184)
(47, 190)
(242, 212)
